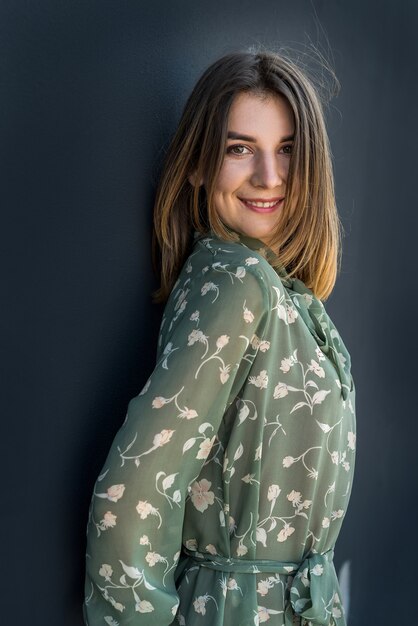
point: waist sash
(314, 589)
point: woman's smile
(262, 206)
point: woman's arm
(136, 515)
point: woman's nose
(268, 172)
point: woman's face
(256, 164)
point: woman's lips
(261, 209)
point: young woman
(223, 494)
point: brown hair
(308, 237)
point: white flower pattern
(245, 430)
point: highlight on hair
(307, 240)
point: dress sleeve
(134, 530)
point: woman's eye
(237, 148)
(290, 148)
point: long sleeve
(134, 531)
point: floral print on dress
(223, 493)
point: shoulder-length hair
(308, 237)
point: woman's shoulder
(229, 270)
(217, 264)
(215, 255)
(223, 273)
(223, 279)
(229, 253)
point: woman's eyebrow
(233, 135)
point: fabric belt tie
(313, 589)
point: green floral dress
(223, 493)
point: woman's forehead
(249, 110)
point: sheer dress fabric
(223, 493)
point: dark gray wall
(90, 92)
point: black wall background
(90, 93)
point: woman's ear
(192, 179)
